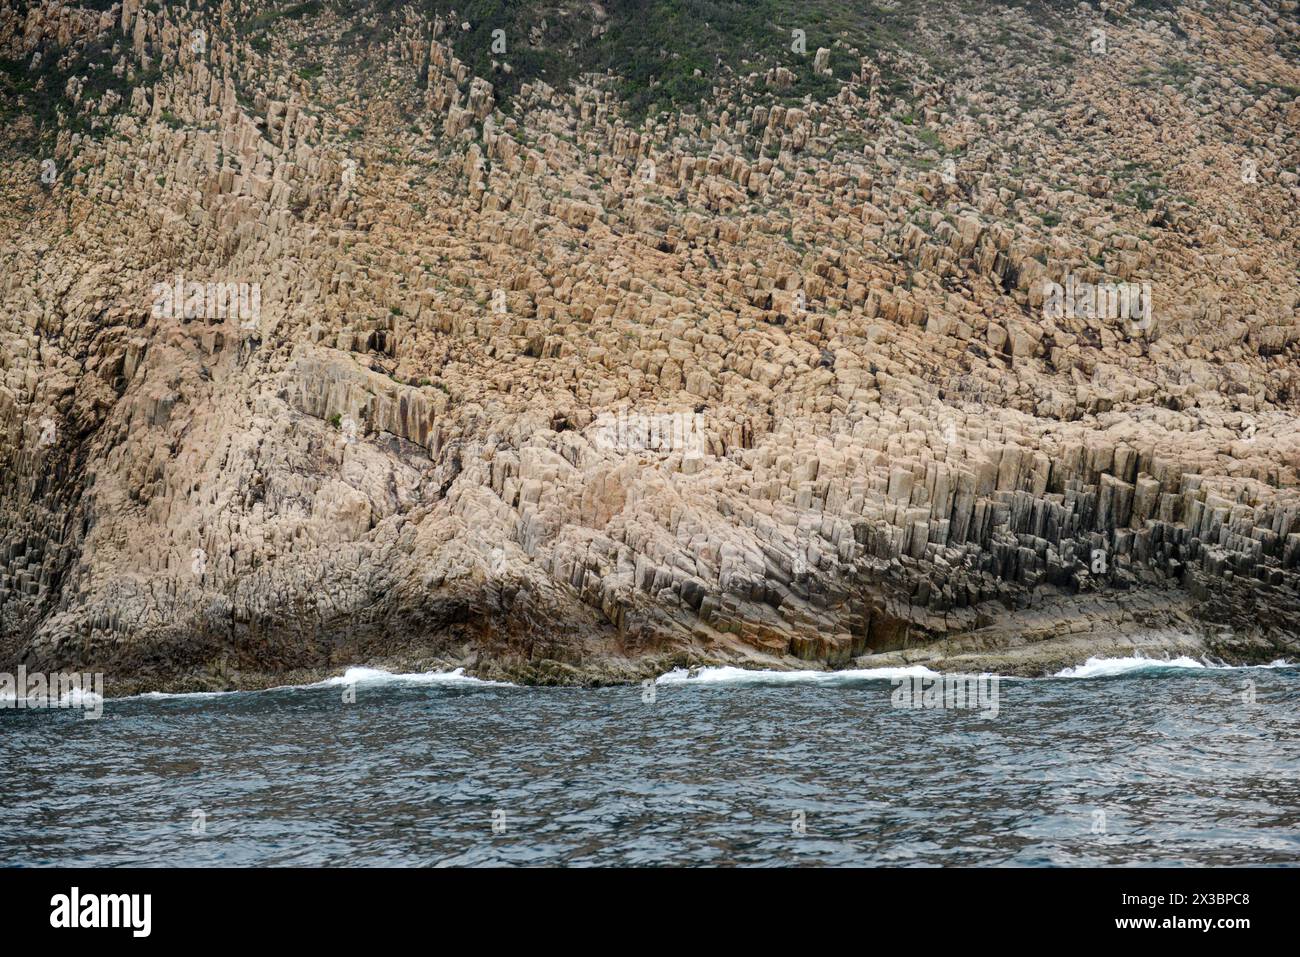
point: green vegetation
(1143, 195)
(930, 138)
(32, 99)
(294, 11)
(669, 55)
(663, 54)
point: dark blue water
(1184, 770)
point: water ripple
(1151, 766)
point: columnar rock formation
(536, 386)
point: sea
(1121, 761)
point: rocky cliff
(567, 342)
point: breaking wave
(731, 675)
(358, 676)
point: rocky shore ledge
(329, 337)
(1038, 659)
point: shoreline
(1037, 660)
(534, 644)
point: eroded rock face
(301, 369)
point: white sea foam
(724, 675)
(379, 676)
(357, 676)
(73, 698)
(80, 698)
(163, 695)
(1109, 667)
(742, 676)
(1092, 668)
